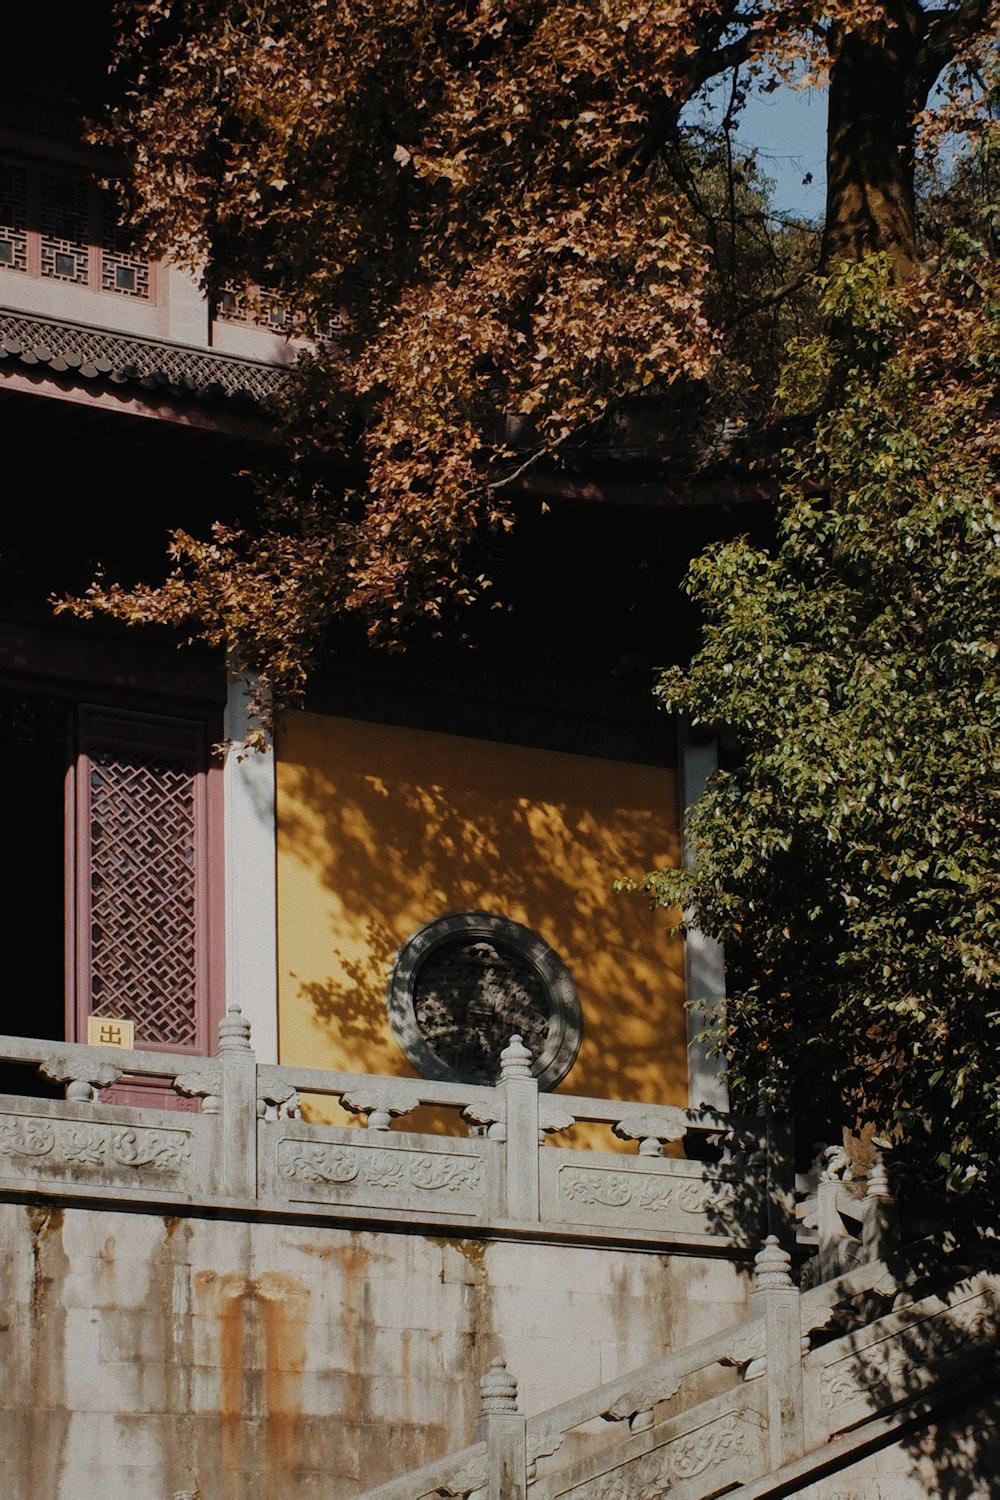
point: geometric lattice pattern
(122, 271)
(256, 307)
(142, 838)
(65, 226)
(13, 218)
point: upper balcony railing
(65, 257)
(485, 1161)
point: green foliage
(850, 864)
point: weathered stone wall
(145, 1355)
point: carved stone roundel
(463, 984)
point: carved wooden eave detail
(97, 357)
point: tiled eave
(76, 353)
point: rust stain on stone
(40, 1441)
(231, 1291)
(261, 1327)
(473, 1253)
(306, 1247)
(44, 1222)
(353, 1262)
(282, 1302)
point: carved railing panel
(56, 1143)
(706, 1443)
(714, 1445)
(496, 1169)
(901, 1355)
(646, 1192)
(302, 1163)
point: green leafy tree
(851, 864)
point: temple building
(354, 1135)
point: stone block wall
(147, 1355)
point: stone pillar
(236, 1163)
(250, 863)
(880, 1229)
(501, 1427)
(776, 1298)
(520, 1095)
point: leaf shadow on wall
(383, 832)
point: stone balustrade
(754, 1409)
(487, 1158)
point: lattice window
(142, 907)
(142, 876)
(65, 228)
(122, 271)
(13, 218)
(255, 307)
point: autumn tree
(504, 215)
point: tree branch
(946, 32)
(778, 295)
(709, 64)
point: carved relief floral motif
(608, 1189)
(653, 1475)
(78, 1145)
(655, 1194)
(27, 1138)
(317, 1163)
(903, 1361)
(379, 1169)
(644, 1192)
(449, 1173)
(85, 1148)
(166, 1149)
(693, 1453)
(384, 1173)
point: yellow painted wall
(381, 829)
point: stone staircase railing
(486, 1160)
(747, 1412)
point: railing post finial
(234, 1031)
(515, 1059)
(772, 1266)
(501, 1426)
(497, 1389)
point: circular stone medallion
(463, 984)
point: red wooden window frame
(145, 740)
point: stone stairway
(805, 1386)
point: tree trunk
(870, 149)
